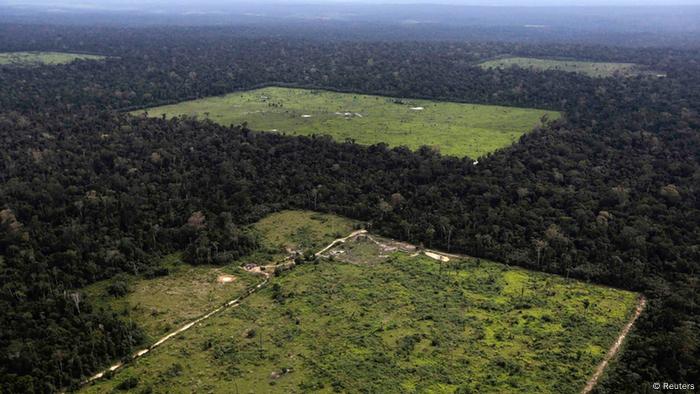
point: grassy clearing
(401, 323)
(455, 129)
(161, 304)
(301, 230)
(25, 59)
(592, 69)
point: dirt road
(341, 240)
(440, 256)
(615, 348)
(600, 369)
(230, 304)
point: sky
(206, 3)
(517, 2)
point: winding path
(340, 241)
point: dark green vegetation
(607, 194)
(592, 69)
(25, 59)
(395, 323)
(451, 128)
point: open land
(455, 129)
(23, 59)
(377, 315)
(301, 230)
(159, 305)
(592, 69)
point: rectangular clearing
(24, 59)
(456, 129)
(375, 315)
(592, 69)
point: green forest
(95, 199)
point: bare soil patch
(225, 279)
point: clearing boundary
(289, 261)
(454, 128)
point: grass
(402, 323)
(455, 129)
(301, 230)
(40, 58)
(592, 69)
(162, 304)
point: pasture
(27, 59)
(592, 69)
(455, 129)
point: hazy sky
(509, 2)
(139, 3)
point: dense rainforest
(608, 193)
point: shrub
(128, 383)
(118, 288)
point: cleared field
(161, 304)
(455, 129)
(376, 316)
(301, 230)
(38, 58)
(592, 69)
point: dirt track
(230, 304)
(600, 369)
(615, 348)
(436, 255)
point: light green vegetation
(301, 230)
(162, 304)
(39, 58)
(592, 69)
(455, 129)
(400, 323)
